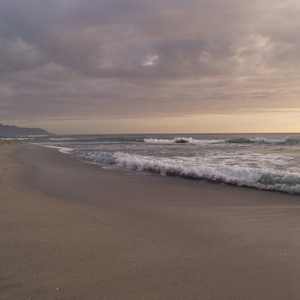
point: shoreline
(40, 180)
(74, 230)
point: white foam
(60, 149)
(183, 140)
(17, 139)
(61, 139)
(268, 141)
(219, 142)
(237, 175)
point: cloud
(139, 58)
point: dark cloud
(139, 57)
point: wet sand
(72, 230)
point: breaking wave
(242, 175)
(261, 179)
(183, 140)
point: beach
(73, 230)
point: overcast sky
(117, 66)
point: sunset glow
(150, 66)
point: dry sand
(70, 230)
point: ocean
(261, 161)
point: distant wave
(180, 140)
(16, 139)
(68, 139)
(284, 141)
(98, 139)
(64, 139)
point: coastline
(74, 230)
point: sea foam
(234, 175)
(183, 140)
(253, 170)
(270, 162)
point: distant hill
(6, 130)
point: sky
(150, 66)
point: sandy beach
(72, 230)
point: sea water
(262, 161)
